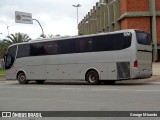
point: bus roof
(72, 37)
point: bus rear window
(143, 38)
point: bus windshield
(10, 57)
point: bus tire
(22, 78)
(40, 81)
(92, 77)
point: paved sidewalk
(2, 78)
(156, 68)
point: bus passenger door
(112, 71)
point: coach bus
(103, 57)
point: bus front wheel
(92, 77)
(22, 78)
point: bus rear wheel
(92, 77)
(22, 78)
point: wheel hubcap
(22, 78)
(92, 78)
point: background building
(113, 15)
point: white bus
(106, 57)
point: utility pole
(8, 30)
(43, 35)
(77, 6)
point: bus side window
(55, 48)
(85, 45)
(51, 48)
(36, 49)
(23, 50)
(67, 47)
(82, 45)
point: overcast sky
(55, 16)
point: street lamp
(43, 35)
(104, 3)
(77, 6)
(8, 30)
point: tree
(0, 43)
(42, 36)
(3, 49)
(49, 36)
(11, 39)
(17, 38)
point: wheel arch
(90, 69)
(20, 71)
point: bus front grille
(123, 69)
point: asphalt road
(139, 95)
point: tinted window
(78, 45)
(9, 60)
(67, 46)
(12, 51)
(85, 45)
(36, 49)
(10, 57)
(23, 50)
(143, 38)
(111, 42)
(50, 48)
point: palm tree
(0, 43)
(17, 38)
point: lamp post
(43, 35)
(8, 30)
(77, 6)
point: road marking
(43, 88)
(24, 87)
(71, 89)
(90, 89)
(11, 87)
(148, 90)
(106, 89)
